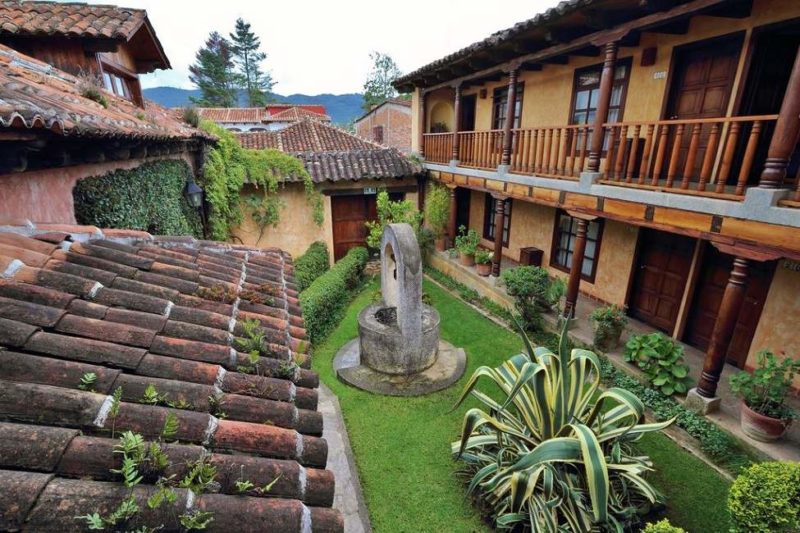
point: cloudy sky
(322, 46)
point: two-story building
(388, 123)
(647, 149)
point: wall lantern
(193, 194)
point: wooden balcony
(714, 157)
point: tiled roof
(32, 18)
(35, 95)
(224, 115)
(405, 102)
(132, 309)
(294, 114)
(314, 108)
(306, 136)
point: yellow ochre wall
(547, 94)
(533, 225)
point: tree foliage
(212, 73)
(391, 212)
(246, 49)
(378, 86)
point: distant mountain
(341, 107)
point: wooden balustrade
(480, 149)
(712, 156)
(438, 147)
(558, 152)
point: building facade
(647, 149)
(388, 123)
(272, 117)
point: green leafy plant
(311, 265)
(151, 396)
(94, 93)
(534, 292)
(467, 241)
(765, 498)
(609, 321)
(483, 257)
(552, 452)
(391, 212)
(437, 209)
(218, 293)
(662, 526)
(244, 485)
(170, 428)
(196, 519)
(88, 381)
(253, 342)
(662, 360)
(766, 389)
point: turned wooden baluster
(612, 142)
(562, 151)
(632, 154)
(573, 147)
(584, 143)
(694, 145)
(727, 157)
(663, 140)
(648, 146)
(526, 162)
(540, 152)
(708, 160)
(672, 171)
(547, 149)
(749, 155)
(619, 165)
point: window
(377, 134)
(500, 107)
(586, 92)
(488, 219)
(566, 232)
(116, 84)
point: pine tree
(378, 86)
(212, 73)
(245, 46)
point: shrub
(766, 498)
(191, 116)
(437, 209)
(483, 257)
(533, 291)
(766, 389)
(467, 241)
(311, 265)
(661, 359)
(544, 455)
(389, 212)
(662, 526)
(324, 301)
(148, 197)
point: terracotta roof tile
(61, 321)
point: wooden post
(727, 316)
(574, 282)
(451, 223)
(786, 132)
(457, 122)
(499, 214)
(423, 117)
(603, 103)
(509, 123)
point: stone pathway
(348, 497)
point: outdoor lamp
(194, 194)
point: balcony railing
(712, 157)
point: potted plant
(765, 415)
(609, 321)
(467, 245)
(437, 214)
(483, 262)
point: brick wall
(396, 122)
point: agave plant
(552, 454)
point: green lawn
(402, 444)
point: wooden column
(423, 118)
(505, 159)
(451, 223)
(457, 121)
(603, 103)
(727, 316)
(786, 132)
(499, 214)
(574, 282)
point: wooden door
(349, 215)
(468, 112)
(463, 199)
(662, 270)
(701, 88)
(711, 284)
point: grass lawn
(402, 444)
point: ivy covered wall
(149, 197)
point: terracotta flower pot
(466, 259)
(483, 269)
(606, 336)
(760, 427)
(440, 244)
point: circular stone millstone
(447, 369)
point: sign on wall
(370, 190)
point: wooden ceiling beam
(678, 27)
(739, 9)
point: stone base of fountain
(446, 369)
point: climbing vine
(229, 166)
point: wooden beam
(739, 9)
(678, 27)
(556, 60)
(748, 252)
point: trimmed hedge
(311, 265)
(149, 197)
(325, 300)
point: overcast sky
(323, 46)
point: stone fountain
(398, 351)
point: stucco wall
(46, 195)
(777, 327)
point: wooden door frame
(464, 99)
